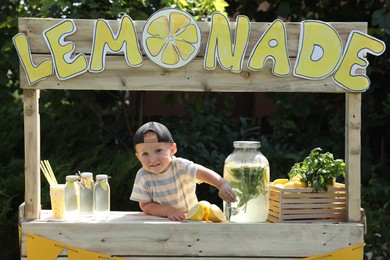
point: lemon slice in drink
(195, 213)
(171, 38)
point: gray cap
(162, 132)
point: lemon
(195, 213)
(216, 214)
(297, 177)
(171, 38)
(300, 184)
(289, 185)
(206, 208)
(279, 181)
(295, 184)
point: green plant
(249, 183)
(318, 170)
(375, 201)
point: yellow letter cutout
(354, 58)
(272, 45)
(34, 72)
(319, 51)
(65, 65)
(104, 40)
(219, 44)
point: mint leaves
(251, 182)
(318, 170)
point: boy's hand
(226, 192)
(175, 214)
(167, 211)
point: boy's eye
(159, 150)
(145, 154)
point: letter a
(272, 45)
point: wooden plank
(307, 206)
(352, 154)
(150, 77)
(136, 234)
(190, 258)
(32, 152)
(33, 28)
(331, 200)
(119, 76)
(321, 217)
(311, 195)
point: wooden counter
(134, 235)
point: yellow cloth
(80, 254)
(39, 248)
(354, 252)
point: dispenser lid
(246, 144)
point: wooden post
(352, 154)
(32, 153)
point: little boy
(165, 185)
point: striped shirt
(175, 187)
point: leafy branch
(318, 170)
(250, 183)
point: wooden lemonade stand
(134, 235)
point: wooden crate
(304, 205)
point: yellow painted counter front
(134, 235)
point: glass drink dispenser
(247, 171)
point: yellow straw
(48, 173)
(53, 177)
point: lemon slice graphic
(171, 38)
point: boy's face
(155, 157)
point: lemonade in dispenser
(247, 171)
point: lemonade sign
(171, 39)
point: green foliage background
(92, 131)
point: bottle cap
(72, 177)
(101, 176)
(86, 174)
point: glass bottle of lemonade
(72, 197)
(86, 194)
(247, 171)
(101, 197)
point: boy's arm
(211, 177)
(165, 211)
